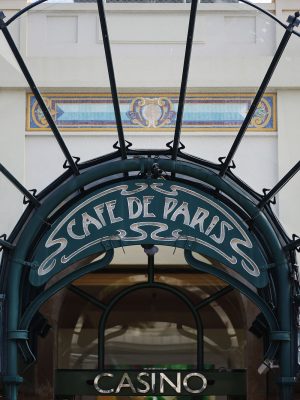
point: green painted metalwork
(246, 291)
(267, 235)
(86, 296)
(45, 295)
(150, 212)
(214, 297)
(141, 286)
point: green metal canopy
(147, 197)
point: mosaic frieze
(152, 111)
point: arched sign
(153, 212)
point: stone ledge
(12, 4)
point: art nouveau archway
(164, 197)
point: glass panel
(156, 329)
(223, 319)
(77, 341)
(149, 328)
(224, 333)
(105, 285)
(196, 285)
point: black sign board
(150, 382)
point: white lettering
(87, 220)
(217, 224)
(183, 209)
(153, 383)
(143, 382)
(134, 202)
(71, 232)
(99, 211)
(124, 384)
(110, 206)
(147, 200)
(199, 218)
(97, 380)
(170, 204)
(191, 375)
(176, 387)
(190, 383)
(211, 226)
(221, 238)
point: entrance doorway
(151, 327)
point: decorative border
(152, 112)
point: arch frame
(19, 259)
(140, 286)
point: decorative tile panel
(152, 111)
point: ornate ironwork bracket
(294, 244)
(66, 164)
(5, 244)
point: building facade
(151, 329)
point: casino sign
(150, 383)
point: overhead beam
(37, 94)
(293, 171)
(294, 245)
(293, 21)
(91, 299)
(184, 80)
(215, 296)
(112, 79)
(19, 186)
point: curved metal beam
(53, 200)
(256, 299)
(283, 181)
(112, 79)
(44, 296)
(272, 16)
(31, 198)
(213, 297)
(23, 11)
(140, 286)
